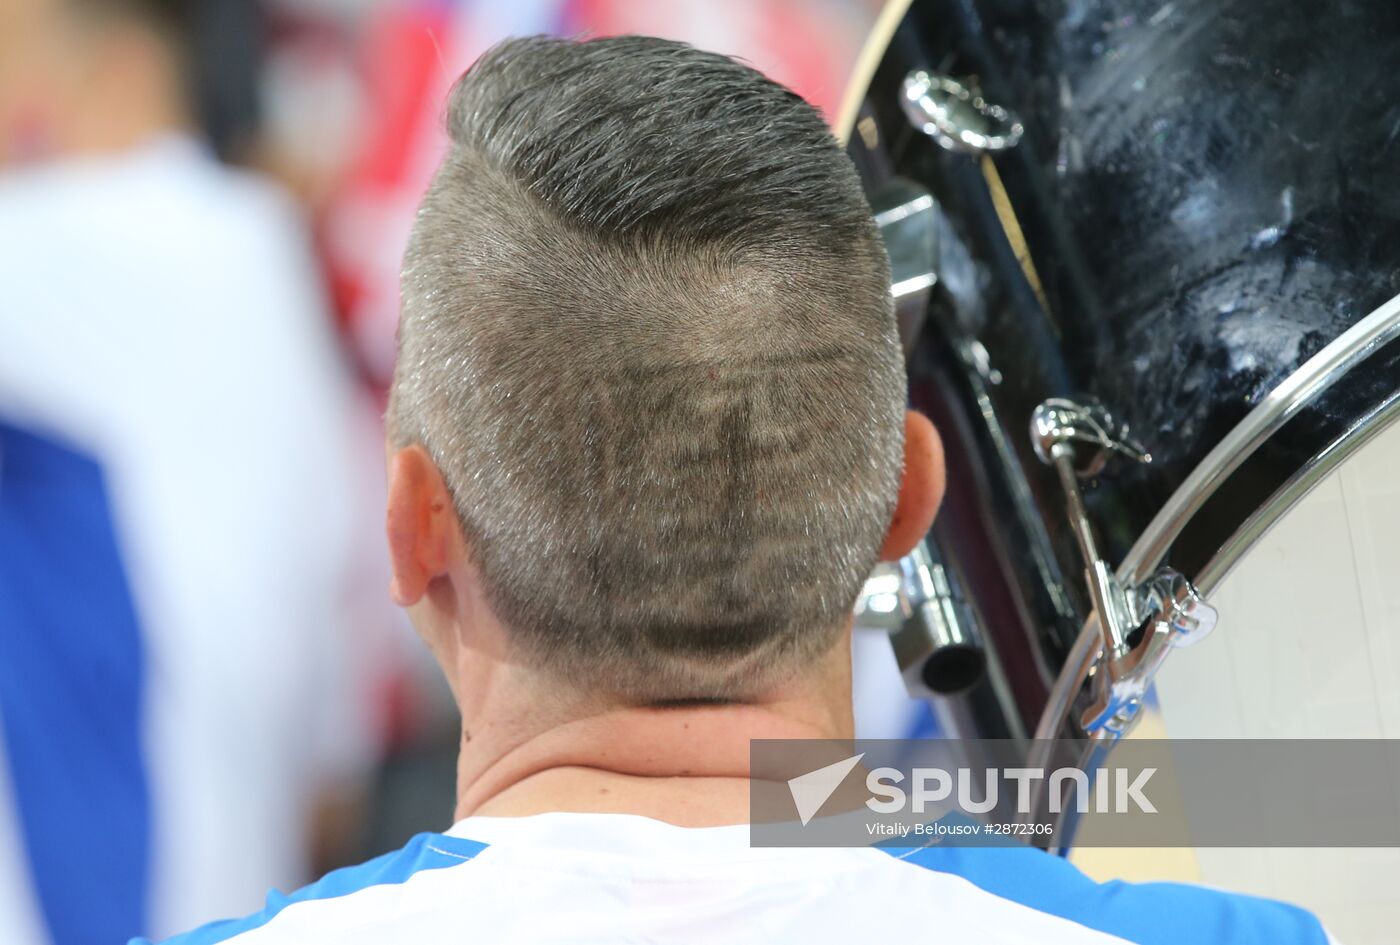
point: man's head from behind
(648, 344)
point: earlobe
(419, 521)
(920, 492)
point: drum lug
(1084, 434)
(956, 115)
(1171, 614)
(1140, 625)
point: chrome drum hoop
(1361, 364)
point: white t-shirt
(608, 878)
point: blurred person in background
(183, 472)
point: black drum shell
(1208, 193)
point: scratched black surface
(1229, 176)
(1210, 192)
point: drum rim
(872, 53)
(1339, 358)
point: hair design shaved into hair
(647, 337)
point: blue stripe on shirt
(426, 851)
(70, 692)
(1144, 913)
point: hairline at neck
(516, 760)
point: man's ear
(421, 523)
(921, 491)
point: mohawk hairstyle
(647, 337)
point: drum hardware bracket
(936, 641)
(1140, 625)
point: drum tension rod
(1139, 625)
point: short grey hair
(648, 340)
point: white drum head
(1308, 646)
